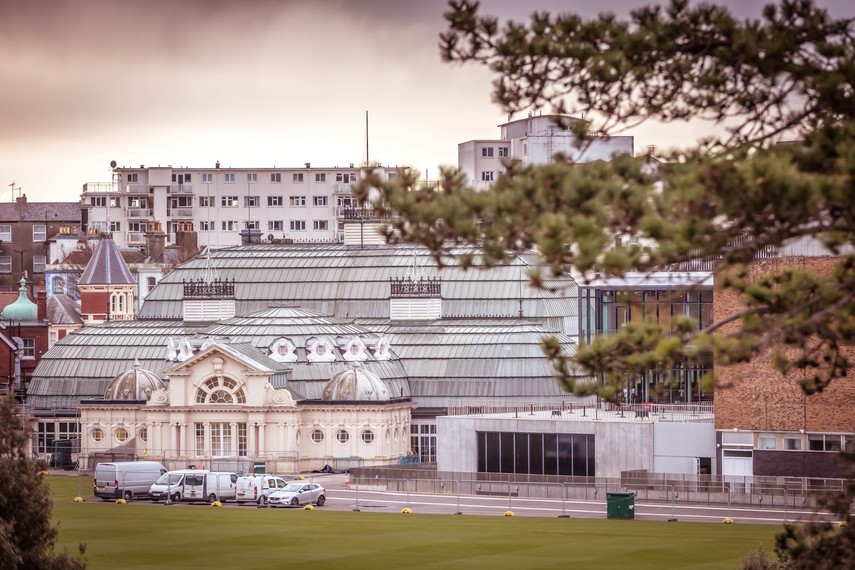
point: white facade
(221, 404)
(533, 140)
(301, 204)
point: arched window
(220, 390)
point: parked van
(194, 485)
(256, 488)
(126, 479)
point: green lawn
(200, 537)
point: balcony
(185, 188)
(180, 212)
(136, 238)
(135, 189)
(98, 187)
(342, 188)
(139, 213)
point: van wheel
(262, 500)
(321, 501)
(128, 495)
(176, 498)
(211, 498)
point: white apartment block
(301, 204)
(533, 140)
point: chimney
(41, 303)
(187, 240)
(155, 240)
(248, 237)
(21, 205)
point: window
(251, 177)
(229, 201)
(251, 201)
(320, 177)
(137, 202)
(319, 200)
(766, 441)
(98, 201)
(297, 177)
(392, 176)
(151, 282)
(317, 436)
(181, 202)
(206, 226)
(253, 225)
(345, 177)
(276, 177)
(230, 226)
(6, 233)
(97, 435)
(824, 442)
(342, 436)
(133, 177)
(207, 178)
(115, 226)
(242, 445)
(51, 433)
(139, 227)
(5, 264)
(220, 390)
(28, 348)
(487, 152)
(275, 226)
(320, 225)
(230, 177)
(206, 201)
(344, 201)
(116, 202)
(199, 429)
(274, 201)
(296, 200)
(298, 225)
(39, 263)
(367, 436)
(525, 149)
(536, 453)
(503, 152)
(792, 443)
(221, 438)
(486, 176)
(121, 434)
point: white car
(296, 494)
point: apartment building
(299, 204)
(533, 140)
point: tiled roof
(52, 212)
(107, 266)
(63, 310)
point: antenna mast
(367, 163)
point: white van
(126, 479)
(256, 488)
(194, 485)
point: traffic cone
(347, 479)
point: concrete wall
(677, 445)
(619, 446)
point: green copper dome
(22, 309)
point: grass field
(200, 537)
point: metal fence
(788, 492)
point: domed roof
(355, 384)
(22, 309)
(135, 384)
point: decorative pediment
(320, 350)
(354, 350)
(283, 350)
(382, 350)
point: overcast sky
(256, 83)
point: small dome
(135, 384)
(355, 384)
(22, 309)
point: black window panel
(550, 454)
(521, 457)
(493, 453)
(507, 452)
(565, 454)
(482, 452)
(535, 453)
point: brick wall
(754, 396)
